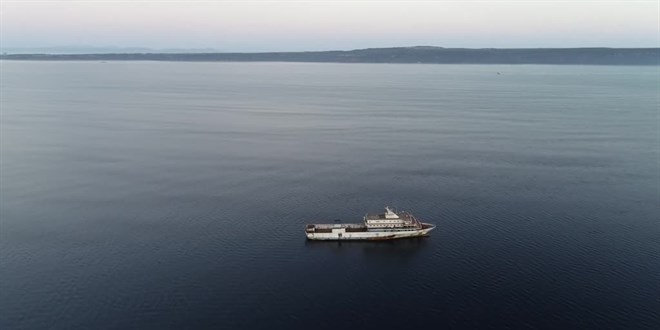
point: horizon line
(209, 50)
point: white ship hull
(337, 234)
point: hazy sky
(320, 25)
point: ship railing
(336, 225)
(417, 222)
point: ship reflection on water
(388, 249)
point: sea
(174, 195)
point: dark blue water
(174, 195)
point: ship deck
(327, 228)
(381, 216)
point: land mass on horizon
(416, 54)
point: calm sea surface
(174, 195)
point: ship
(378, 226)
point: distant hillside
(420, 54)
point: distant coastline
(419, 54)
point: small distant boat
(382, 226)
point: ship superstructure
(381, 226)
